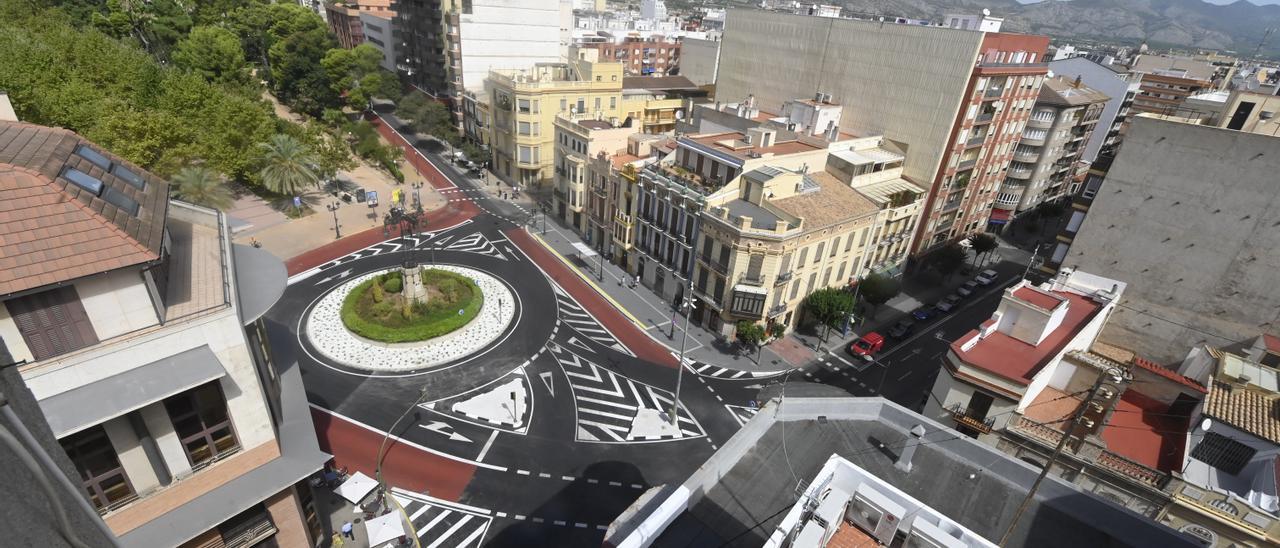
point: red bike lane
(605, 312)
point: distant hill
(1187, 23)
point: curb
(593, 285)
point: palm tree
(202, 186)
(287, 165)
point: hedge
(434, 323)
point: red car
(867, 345)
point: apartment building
(1047, 164)
(1252, 112)
(1119, 85)
(655, 55)
(1178, 197)
(657, 103)
(344, 19)
(523, 106)
(773, 238)
(378, 31)
(961, 98)
(136, 325)
(1167, 82)
(578, 139)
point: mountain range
(1195, 24)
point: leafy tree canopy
(877, 289)
(214, 53)
(829, 305)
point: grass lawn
(377, 310)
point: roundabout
(331, 336)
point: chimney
(913, 440)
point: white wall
(507, 34)
(698, 60)
(116, 303)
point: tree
(751, 334)
(355, 73)
(299, 43)
(983, 244)
(214, 53)
(202, 186)
(877, 289)
(949, 259)
(829, 306)
(287, 166)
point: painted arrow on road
(337, 276)
(549, 382)
(445, 430)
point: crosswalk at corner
(443, 524)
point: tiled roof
(1013, 359)
(1272, 342)
(1168, 373)
(834, 203)
(1038, 297)
(52, 230)
(1253, 411)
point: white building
(1118, 84)
(653, 10)
(136, 324)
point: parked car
(902, 329)
(969, 288)
(949, 304)
(986, 277)
(867, 345)
(923, 313)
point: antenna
(1263, 41)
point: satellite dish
(986, 12)
(1205, 424)
(1251, 84)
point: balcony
(993, 93)
(723, 270)
(754, 281)
(966, 165)
(975, 141)
(950, 205)
(1033, 139)
(1019, 173)
(1041, 123)
(984, 118)
(963, 417)
(783, 277)
(777, 310)
(1028, 156)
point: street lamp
(675, 402)
(417, 200)
(333, 208)
(407, 224)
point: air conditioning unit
(927, 535)
(875, 514)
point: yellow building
(523, 105)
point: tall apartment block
(961, 98)
(1167, 82)
(136, 326)
(1046, 163)
(1117, 83)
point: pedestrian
(347, 531)
(337, 541)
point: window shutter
(52, 322)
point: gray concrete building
(699, 60)
(379, 31)
(959, 97)
(1120, 86)
(1046, 164)
(1189, 217)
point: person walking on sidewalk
(347, 531)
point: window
(524, 128)
(118, 199)
(94, 157)
(564, 105)
(95, 459)
(529, 155)
(83, 180)
(128, 176)
(804, 252)
(613, 103)
(52, 322)
(1223, 453)
(597, 103)
(522, 106)
(201, 421)
(817, 256)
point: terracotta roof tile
(1253, 411)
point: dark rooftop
(659, 83)
(971, 483)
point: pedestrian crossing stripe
(475, 243)
(584, 323)
(741, 413)
(440, 524)
(703, 369)
(612, 408)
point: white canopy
(384, 528)
(584, 250)
(357, 487)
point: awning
(356, 488)
(384, 528)
(584, 250)
(999, 216)
(111, 397)
(261, 279)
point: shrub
(393, 285)
(378, 295)
(379, 320)
(407, 310)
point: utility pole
(675, 402)
(1116, 376)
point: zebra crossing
(612, 408)
(389, 246)
(576, 317)
(472, 243)
(440, 524)
(716, 372)
(741, 413)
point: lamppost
(675, 402)
(407, 224)
(382, 448)
(333, 208)
(417, 200)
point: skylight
(84, 180)
(118, 199)
(128, 176)
(94, 157)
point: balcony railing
(1020, 173)
(1028, 156)
(966, 165)
(716, 266)
(1043, 123)
(783, 277)
(975, 141)
(993, 93)
(984, 118)
(963, 417)
(777, 310)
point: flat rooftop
(742, 151)
(1008, 357)
(741, 495)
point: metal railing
(984, 118)
(777, 310)
(993, 93)
(962, 416)
(783, 277)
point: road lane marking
(408, 443)
(487, 445)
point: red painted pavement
(436, 218)
(603, 310)
(404, 466)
